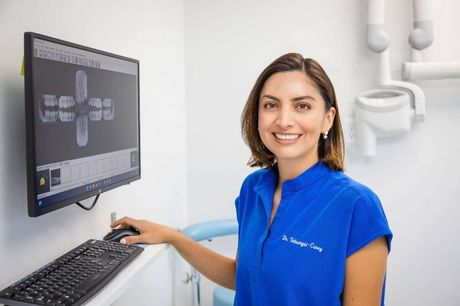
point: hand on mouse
(150, 232)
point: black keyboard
(73, 278)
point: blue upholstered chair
(206, 231)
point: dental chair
(206, 231)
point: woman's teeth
(287, 136)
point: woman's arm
(218, 268)
(365, 273)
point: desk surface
(120, 283)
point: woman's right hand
(150, 232)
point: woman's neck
(290, 169)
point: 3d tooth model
(54, 109)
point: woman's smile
(283, 138)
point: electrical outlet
(349, 130)
(113, 217)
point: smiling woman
(291, 124)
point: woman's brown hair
(331, 150)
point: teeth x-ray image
(79, 108)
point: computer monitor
(82, 122)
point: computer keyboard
(73, 278)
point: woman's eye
(303, 106)
(269, 105)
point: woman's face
(292, 116)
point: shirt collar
(268, 180)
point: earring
(325, 135)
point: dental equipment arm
(378, 42)
(421, 38)
(377, 38)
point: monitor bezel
(33, 209)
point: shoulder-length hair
(331, 150)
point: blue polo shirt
(322, 218)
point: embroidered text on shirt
(303, 244)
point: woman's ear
(329, 119)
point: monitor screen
(82, 122)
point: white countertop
(120, 283)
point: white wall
(151, 31)
(228, 43)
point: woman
(308, 234)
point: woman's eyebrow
(270, 97)
(306, 97)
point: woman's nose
(284, 119)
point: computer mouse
(119, 233)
